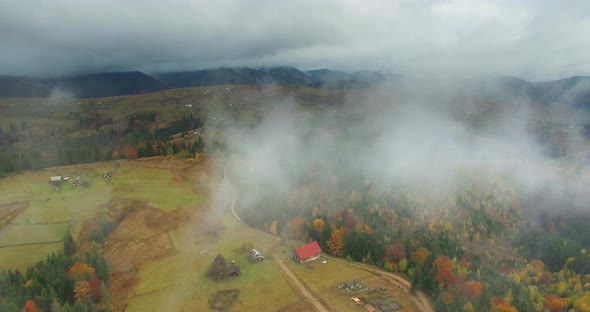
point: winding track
(317, 304)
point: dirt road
(318, 305)
(233, 194)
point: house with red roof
(308, 252)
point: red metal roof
(308, 250)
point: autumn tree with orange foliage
(81, 290)
(555, 303)
(130, 152)
(500, 305)
(445, 275)
(336, 242)
(318, 225)
(81, 271)
(419, 256)
(471, 289)
(30, 306)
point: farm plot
(24, 234)
(21, 257)
(155, 186)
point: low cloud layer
(537, 40)
(418, 134)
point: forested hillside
(475, 251)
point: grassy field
(22, 257)
(142, 181)
(332, 274)
(181, 280)
(68, 203)
(13, 233)
(153, 185)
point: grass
(22, 257)
(51, 204)
(155, 186)
(224, 299)
(13, 234)
(325, 276)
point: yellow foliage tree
(561, 288)
(582, 304)
(336, 242)
(81, 290)
(403, 265)
(81, 271)
(515, 278)
(318, 225)
(468, 307)
(476, 237)
(509, 297)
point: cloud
(530, 39)
(425, 135)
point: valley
(165, 182)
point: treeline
(14, 133)
(140, 139)
(63, 282)
(94, 121)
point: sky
(530, 39)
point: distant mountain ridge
(574, 91)
(235, 76)
(135, 82)
(83, 86)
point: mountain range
(574, 91)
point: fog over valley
(409, 156)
